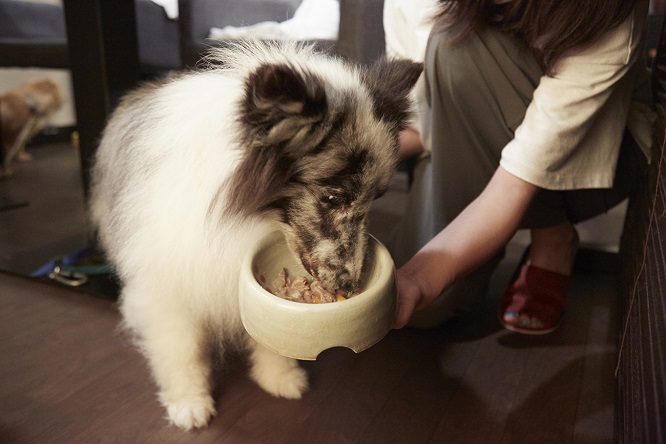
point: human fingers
(408, 298)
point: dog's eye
(333, 200)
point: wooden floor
(68, 375)
(42, 213)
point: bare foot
(554, 248)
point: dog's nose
(346, 284)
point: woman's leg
(554, 248)
(536, 301)
(553, 214)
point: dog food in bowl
(300, 289)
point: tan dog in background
(22, 113)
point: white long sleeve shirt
(572, 130)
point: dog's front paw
(285, 381)
(192, 413)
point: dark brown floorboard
(70, 376)
(52, 221)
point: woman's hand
(410, 298)
(414, 283)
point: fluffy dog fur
(22, 111)
(192, 170)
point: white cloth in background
(313, 20)
(170, 7)
(407, 26)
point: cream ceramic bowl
(302, 330)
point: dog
(22, 114)
(193, 169)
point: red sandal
(534, 303)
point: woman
(529, 100)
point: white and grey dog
(193, 169)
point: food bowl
(303, 330)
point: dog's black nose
(346, 285)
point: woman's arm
(472, 238)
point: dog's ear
(390, 82)
(280, 106)
(280, 101)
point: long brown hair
(547, 27)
